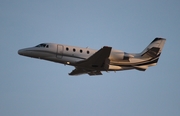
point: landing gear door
(59, 51)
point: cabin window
(67, 49)
(81, 51)
(87, 52)
(74, 49)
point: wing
(94, 64)
(79, 71)
(98, 61)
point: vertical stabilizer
(154, 49)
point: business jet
(93, 62)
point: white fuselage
(93, 61)
(58, 53)
(69, 55)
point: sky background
(33, 87)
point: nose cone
(25, 52)
(21, 52)
(29, 52)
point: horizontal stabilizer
(141, 68)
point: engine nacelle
(115, 56)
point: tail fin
(154, 49)
(150, 55)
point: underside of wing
(80, 71)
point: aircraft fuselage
(88, 60)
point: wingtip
(107, 47)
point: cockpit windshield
(42, 46)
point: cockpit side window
(42, 46)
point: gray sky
(32, 87)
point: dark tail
(154, 49)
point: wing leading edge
(94, 64)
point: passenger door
(59, 51)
